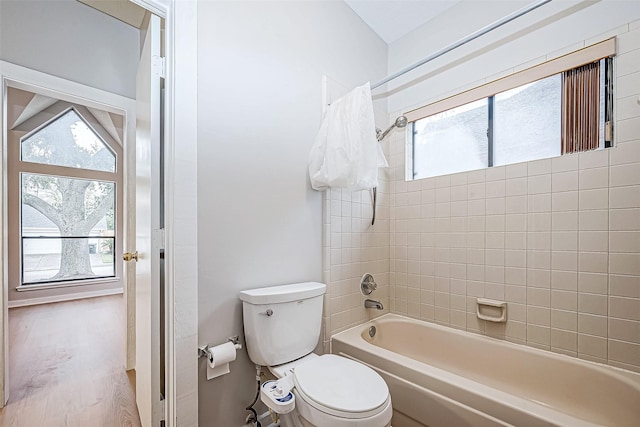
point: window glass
(45, 260)
(452, 141)
(542, 119)
(68, 141)
(527, 122)
(67, 228)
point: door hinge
(159, 66)
(158, 238)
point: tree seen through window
(67, 223)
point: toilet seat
(341, 387)
(317, 379)
(314, 417)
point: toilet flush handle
(269, 312)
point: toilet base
(293, 419)
(296, 418)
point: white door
(149, 239)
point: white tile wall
(353, 247)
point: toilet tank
(282, 323)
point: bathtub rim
(630, 377)
(352, 343)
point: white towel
(346, 152)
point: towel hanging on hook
(346, 153)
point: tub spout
(370, 303)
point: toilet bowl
(282, 327)
(335, 391)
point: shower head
(400, 122)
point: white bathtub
(442, 377)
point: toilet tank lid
(283, 293)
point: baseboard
(62, 298)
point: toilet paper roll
(219, 358)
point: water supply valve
(277, 395)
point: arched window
(66, 170)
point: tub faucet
(370, 303)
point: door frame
(180, 173)
(19, 77)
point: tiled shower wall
(558, 239)
(353, 247)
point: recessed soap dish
(491, 310)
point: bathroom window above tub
(559, 107)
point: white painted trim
(171, 397)
(4, 282)
(160, 8)
(181, 232)
(65, 90)
(62, 298)
(12, 75)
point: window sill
(26, 288)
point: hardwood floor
(67, 366)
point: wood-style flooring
(67, 366)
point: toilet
(282, 325)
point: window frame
(16, 167)
(595, 52)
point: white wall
(68, 39)
(260, 66)
(559, 26)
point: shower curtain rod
(518, 13)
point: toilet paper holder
(203, 350)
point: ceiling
(390, 19)
(124, 10)
(393, 19)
